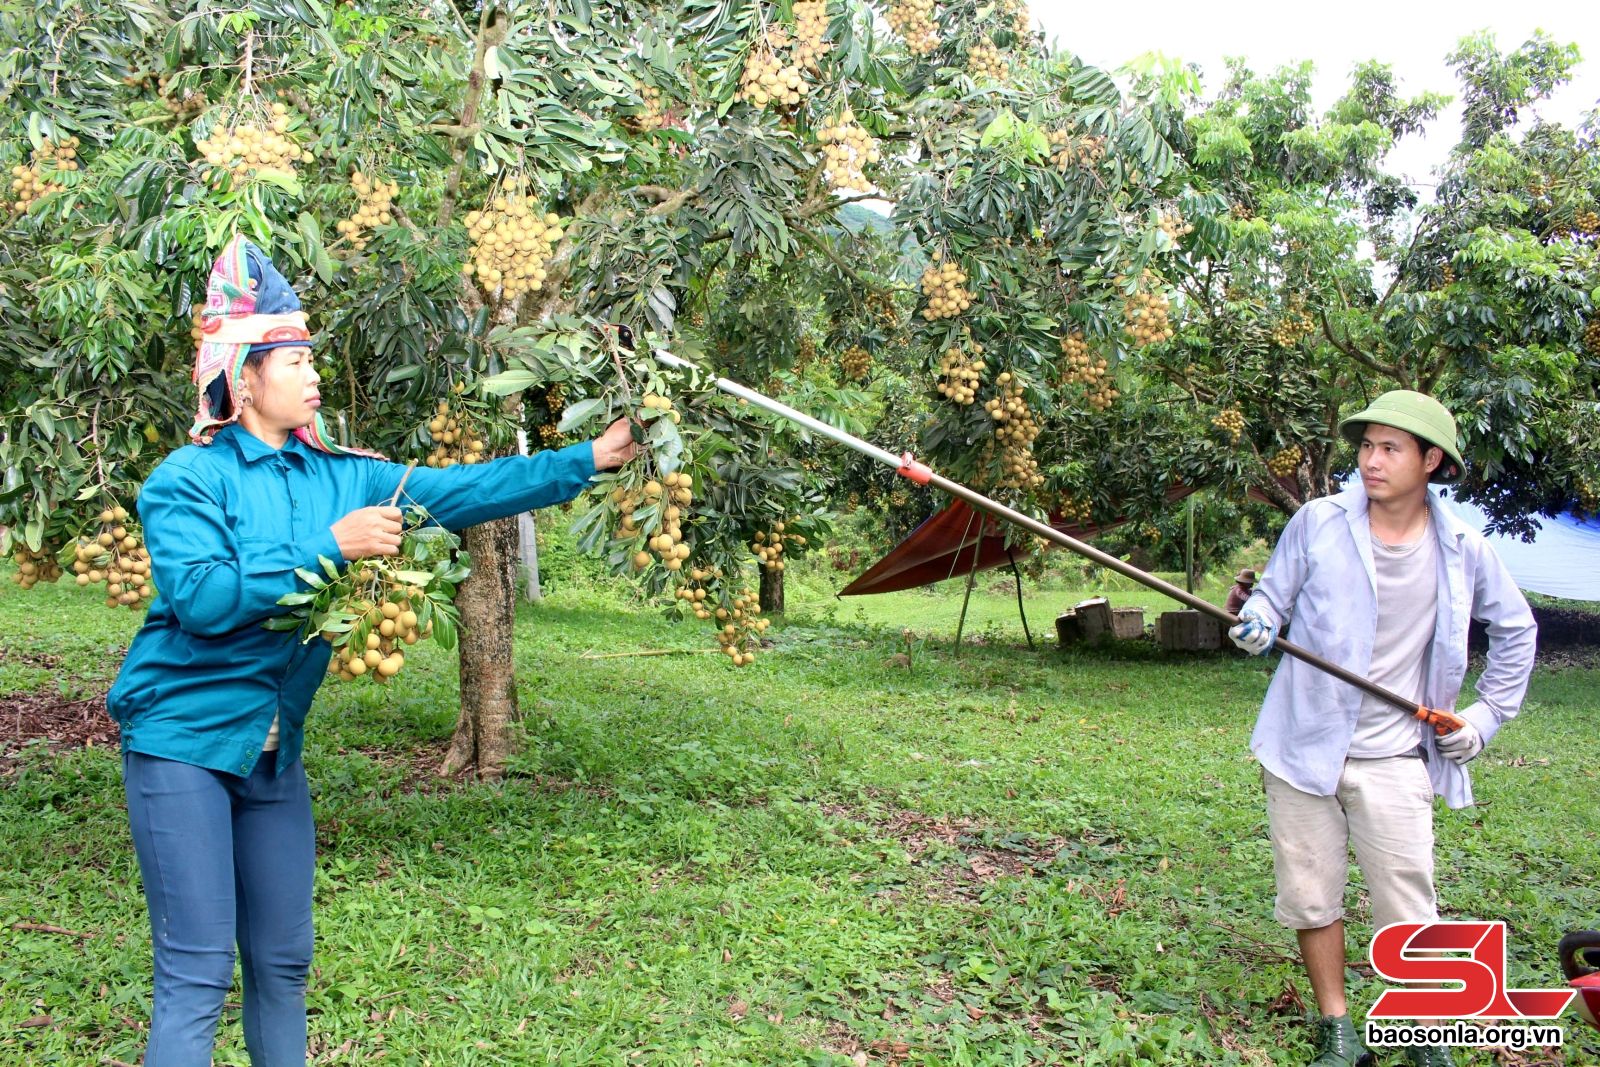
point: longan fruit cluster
(1231, 422)
(1285, 461)
(28, 181)
(770, 77)
(768, 545)
(114, 554)
(376, 195)
(984, 62)
(1015, 431)
(855, 363)
(1145, 313)
(35, 567)
(387, 615)
(555, 402)
(1173, 225)
(672, 494)
(197, 319)
(1089, 369)
(740, 625)
(1587, 222)
(190, 104)
(1295, 325)
(455, 440)
(807, 351)
(1588, 496)
(1017, 12)
(912, 20)
(511, 243)
(1591, 337)
(847, 150)
(1080, 512)
(654, 116)
(1447, 275)
(880, 302)
(810, 29)
(248, 146)
(960, 370)
(944, 285)
(1067, 151)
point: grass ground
(996, 857)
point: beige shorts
(1382, 807)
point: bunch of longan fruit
(1016, 430)
(385, 623)
(115, 554)
(1077, 511)
(984, 62)
(1067, 151)
(960, 371)
(376, 197)
(1089, 369)
(671, 496)
(248, 145)
(1145, 313)
(1591, 337)
(847, 150)
(768, 546)
(28, 181)
(738, 618)
(654, 116)
(944, 285)
(880, 302)
(1286, 461)
(455, 440)
(912, 20)
(512, 241)
(1231, 422)
(811, 27)
(35, 567)
(1172, 224)
(855, 363)
(770, 77)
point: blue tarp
(1562, 561)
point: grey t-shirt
(1408, 605)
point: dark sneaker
(1430, 1056)
(1338, 1045)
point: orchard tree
(493, 224)
(1314, 279)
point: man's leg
(1310, 845)
(180, 818)
(275, 855)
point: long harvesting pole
(1442, 721)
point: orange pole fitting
(910, 468)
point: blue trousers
(225, 860)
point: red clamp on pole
(910, 468)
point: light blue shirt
(1322, 579)
(227, 524)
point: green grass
(996, 857)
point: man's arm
(1513, 636)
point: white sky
(1413, 38)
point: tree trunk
(488, 678)
(771, 591)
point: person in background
(1379, 581)
(1244, 583)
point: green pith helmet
(1415, 413)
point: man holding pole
(1380, 582)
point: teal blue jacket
(226, 525)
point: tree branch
(469, 110)
(1356, 354)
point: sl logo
(1407, 954)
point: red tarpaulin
(958, 540)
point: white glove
(1462, 745)
(1254, 634)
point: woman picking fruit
(211, 703)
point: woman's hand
(614, 447)
(368, 532)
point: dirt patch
(984, 854)
(54, 721)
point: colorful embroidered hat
(250, 306)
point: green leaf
(577, 414)
(510, 381)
